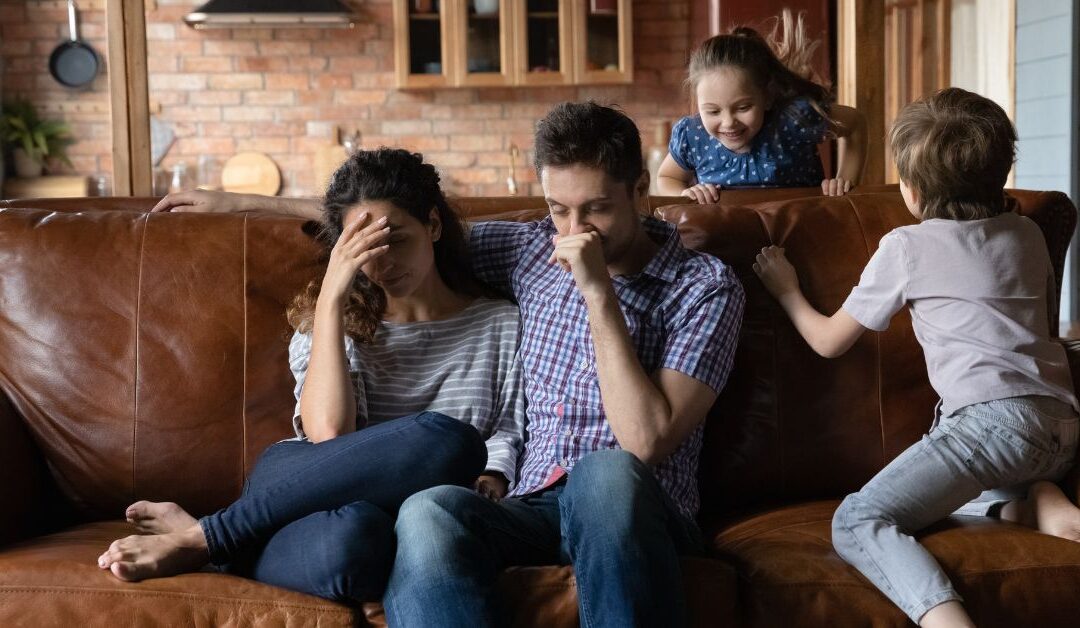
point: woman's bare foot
(1054, 513)
(135, 558)
(158, 517)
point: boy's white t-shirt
(978, 292)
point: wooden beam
(861, 74)
(130, 103)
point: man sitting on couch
(628, 338)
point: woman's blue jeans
(319, 517)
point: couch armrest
(1071, 483)
(32, 504)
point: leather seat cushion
(789, 574)
(54, 580)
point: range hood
(271, 14)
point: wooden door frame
(1073, 268)
(128, 91)
(860, 73)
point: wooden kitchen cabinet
(483, 42)
(473, 43)
(602, 35)
(422, 48)
(543, 43)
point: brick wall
(282, 91)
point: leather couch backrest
(147, 353)
(792, 425)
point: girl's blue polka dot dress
(782, 154)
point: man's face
(582, 199)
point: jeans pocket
(1005, 456)
(1066, 436)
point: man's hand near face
(583, 255)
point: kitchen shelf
(514, 46)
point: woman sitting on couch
(420, 347)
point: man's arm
(225, 202)
(649, 416)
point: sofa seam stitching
(138, 314)
(166, 594)
(244, 376)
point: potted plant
(32, 140)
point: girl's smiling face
(731, 106)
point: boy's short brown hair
(955, 149)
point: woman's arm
(225, 202)
(829, 336)
(849, 127)
(327, 401)
(672, 180)
(504, 443)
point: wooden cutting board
(66, 186)
(251, 173)
(327, 160)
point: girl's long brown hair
(404, 180)
(778, 64)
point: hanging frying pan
(73, 63)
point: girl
(396, 330)
(978, 281)
(759, 121)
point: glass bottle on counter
(180, 179)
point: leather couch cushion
(789, 574)
(54, 581)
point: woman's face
(410, 260)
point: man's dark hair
(591, 135)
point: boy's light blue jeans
(610, 519)
(972, 462)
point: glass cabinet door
(484, 36)
(543, 39)
(602, 41)
(422, 43)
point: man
(627, 340)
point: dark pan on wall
(73, 63)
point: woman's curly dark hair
(404, 180)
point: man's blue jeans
(610, 519)
(318, 517)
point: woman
(419, 348)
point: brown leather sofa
(144, 357)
